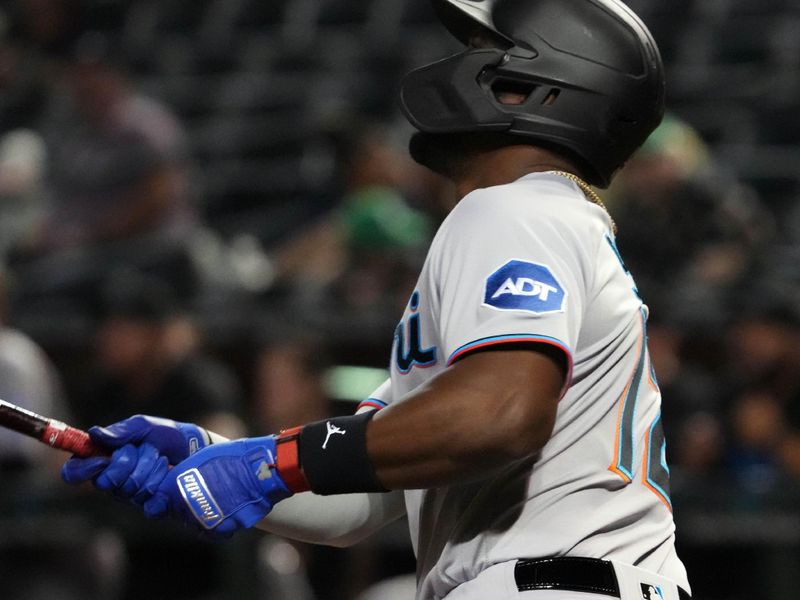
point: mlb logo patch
(522, 285)
(651, 592)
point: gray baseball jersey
(534, 261)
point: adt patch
(521, 285)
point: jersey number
(656, 471)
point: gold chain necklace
(590, 194)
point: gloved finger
(123, 462)
(223, 531)
(154, 479)
(79, 470)
(157, 507)
(130, 430)
(145, 463)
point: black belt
(575, 575)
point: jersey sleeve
(508, 275)
(378, 399)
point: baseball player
(520, 430)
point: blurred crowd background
(207, 213)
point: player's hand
(175, 440)
(222, 488)
(131, 472)
(126, 473)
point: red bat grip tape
(68, 438)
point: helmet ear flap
(452, 95)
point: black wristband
(333, 456)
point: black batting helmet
(589, 71)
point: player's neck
(505, 165)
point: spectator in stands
(149, 362)
(692, 424)
(366, 251)
(763, 343)
(22, 151)
(764, 359)
(758, 426)
(50, 24)
(118, 163)
(683, 227)
(37, 563)
(117, 183)
(700, 446)
(28, 379)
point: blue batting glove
(222, 488)
(131, 473)
(145, 446)
(175, 440)
(80, 470)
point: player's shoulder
(538, 202)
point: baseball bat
(48, 431)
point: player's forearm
(333, 520)
(339, 521)
(222, 426)
(482, 413)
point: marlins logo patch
(199, 499)
(521, 285)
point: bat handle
(64, 437)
